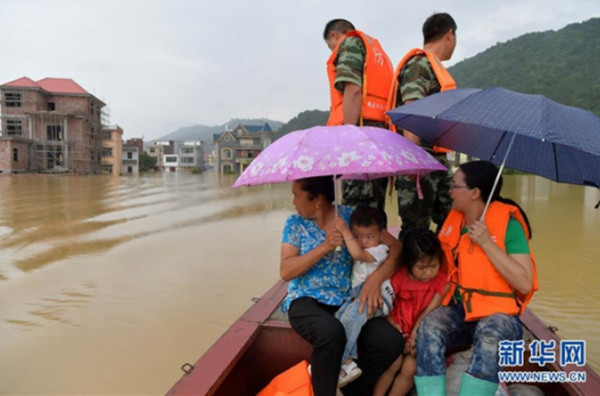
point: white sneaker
(348, 373)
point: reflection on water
(108, 285)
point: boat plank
(541, 331)
(216, 364)
(263, 334)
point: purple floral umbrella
(362, 153)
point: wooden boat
(261, 344)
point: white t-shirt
(361, 270)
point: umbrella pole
(489, 200)
(335, 205)
(335, 195)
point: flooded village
(104, 276)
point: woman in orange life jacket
(492, 277)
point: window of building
(129, 155)
(54, 158)
(107, 168)
(12, 99)
(170, 159)
(15, 154)
(92, 108)
(227, 153)
(266, 142)
(187, 160)
(14, 128)
(107, 135)
(187, 150)
(246, 142)
(152, 150)
(53, 132)
(51, 106)
(107, 152)
(129, 169)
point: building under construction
(52, 125)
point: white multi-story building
(191, 155)
(131, 161)
(170, 162)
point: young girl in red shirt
(419, 286)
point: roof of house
(53, 85)
(218, 137)
(111, 128)
(253, 129)
(22, 82)
(62, 85)
(258, 128)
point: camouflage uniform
(417, 81)
(349, 69)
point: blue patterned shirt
(328, 281)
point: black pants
(379, 344)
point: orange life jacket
(483, 290)
(295, 381)
(444, 79)
(377, 77)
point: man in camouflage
(417, 80)
(349, 78)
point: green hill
(561, 65)
(304, 120)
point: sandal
(348, 373)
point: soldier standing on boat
(420, 73)
(356, 59)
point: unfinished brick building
(51, 125)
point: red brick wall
(7, 162)
(139, 143)
(81, 139)
(31, 100)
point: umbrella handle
(335, 204)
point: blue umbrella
(530, 133)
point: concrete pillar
(30, 127)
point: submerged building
(131, 160)
(158, 149)
(51, 125)
(188, 156)
(234, 150)
(112, 149)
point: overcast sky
(162, 65)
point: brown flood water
(108, 285)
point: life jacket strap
(468, 292)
